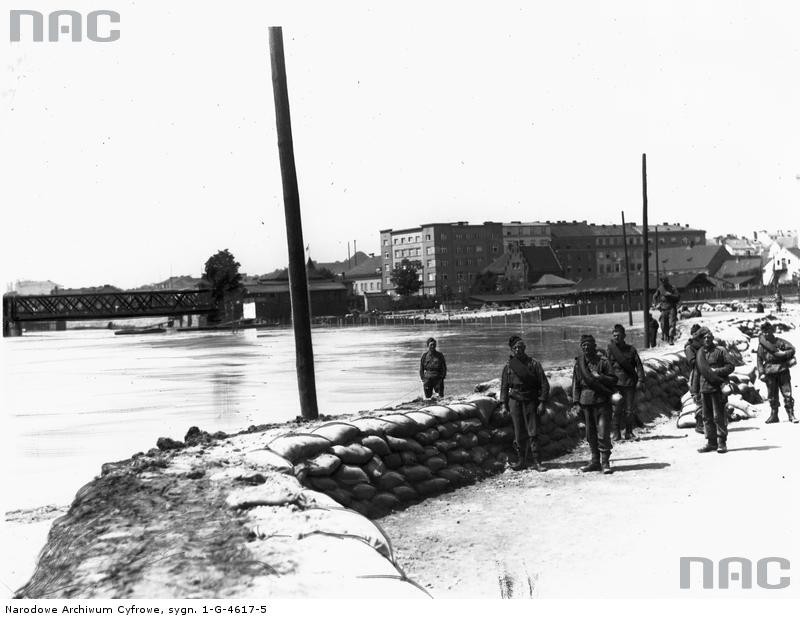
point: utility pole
(657, 260)
(627, 271)
(646, 254)
(298, 279)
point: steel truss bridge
(89, 306)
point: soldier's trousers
(668, 320)
(780, 383)
(625, 409)
(715, 419)
(598, 427)
(429, 385)
(525, 420)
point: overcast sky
(130, 161)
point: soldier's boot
(722, 447)
(788, 404)
(594, 465)
(605, 464)
(698, 424)
(709, 446)
(629, 428)
(536, 464)
(522, 459)
(617, 436)
(773, 416)
(790, 414)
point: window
(460, 276)
(494, 249)
(431, 277)
(431, 263)
(386, 255)
(385, 241)
(398, 253)
(395, 240)
(443, 250)
(427, 237)
(417, 238)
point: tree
(405, 277)
(485, 283)
(221, 276)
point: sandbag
(449, 429)
(454, 474)
(341, 496)
(376, 444)
(385, 501)
(409, 458)
(297, 447)
(435, 463)
(375, 468)
(405, 493)
(428, 437)
(324, 465)
(363, 492)
(393, 460)
(390, 479)
(445, 446)
(338, 432)
(354, 453)
(470, 425)
(432, 486)
(423, 418)
(478, 454)
(484, 436)
(442, 413)
(350, 475)
(467, 440)
(398, 444)
(457, 456)
(401, 425)
(415, 473)
(324, 484)
(266, 458)
(485, 407)
(347, 523)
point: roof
(697, 258)
(548, 279)
(569, 229)
(370, 268)
(794, 250)
(738, 267)
(499, 298)
(541, 259)
(498, 265)
(742, 279)
(618, 283)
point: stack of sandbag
(689, 408)
(664, 385)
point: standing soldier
(627, 366)
(592, 386)
(696, 335)
(432, 370)
(524, 389)
(652, 330)
(778, 300)
(774, 358)
(667, 298)
(714, 365)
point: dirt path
(621, 535)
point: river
(72, 400)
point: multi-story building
(531, 234)
(450, 255)
(588, 250)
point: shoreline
(283, 427)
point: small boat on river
(140, 330)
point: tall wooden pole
(627, 270)
(298, 282)
(646, 254)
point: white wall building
(783, 267)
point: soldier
(695, 342)
(666, 297)
(760, 306)
(774, 358)
(432, 370)
(714, 365)
(524, 389)
(778, 301)
(593, 384)
(652, 330)
(627, 366)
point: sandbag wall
(375, 464)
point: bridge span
(18, 309)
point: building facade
(449, 255)
(365, 278)
(534, 234)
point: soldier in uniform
(695, 342)
(432, 370)
(667, 298)
(524, 389)
(627, 366)
(652, 330)
(593, 383)
(774, 358)
(714, 365)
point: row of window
(526, 231)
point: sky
(125, 163)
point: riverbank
(244, 443)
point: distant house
(741, 272)
(525, 265)
(783, 267)
(707, 259)
(366, 277)
(30, 287)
